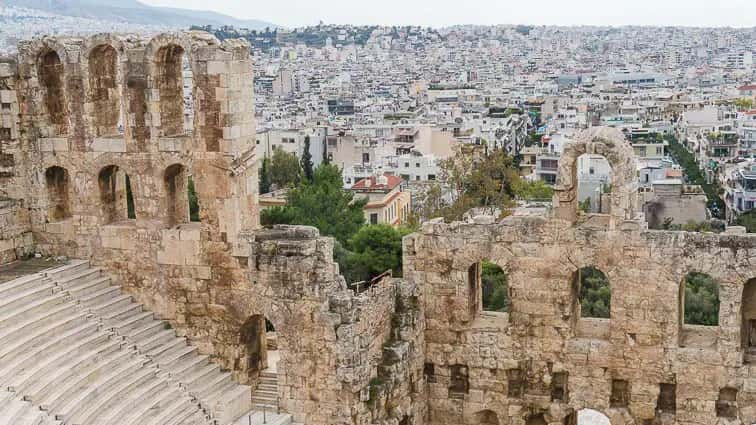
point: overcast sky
(292, 13)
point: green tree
(494, 285)
(488, 182)
(744, 104)
(374, 249)
(321, 203)
(264, 176)
(747, 220)
(701, 300)
(193, 201)
(306, 160)
(595, 293)
(284, 169)
(537, 189)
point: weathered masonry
(541, 362)
(101, 139)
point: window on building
(365, 158)
(373, 218)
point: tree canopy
(488, 181)
(321, 203)
(595, 293)
(374, 249)
(494, 287)
(306, 160)
(285, 170)
(701, 300)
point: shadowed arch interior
(170, 83)
(103, 90)
(115, 195)
(50, 71)
(57, 181)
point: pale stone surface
(404, 351)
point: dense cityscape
(214, 220)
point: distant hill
(132, 11)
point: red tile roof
(748, 87)
(372, 183)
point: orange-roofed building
(388, 202)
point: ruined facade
(97, 151)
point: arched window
(103, 90)
(115, 195)
(749, 321)
(536, 420)
(594, 293)
(487, 288)
(50, 73)
(701, 300)
(175, 86)
(494, 287)
(594, 177)
(587, 417)
(56, 179)
(486, 417)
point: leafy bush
(595, 293)
(494, 287)
(701, 300)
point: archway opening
(116, 196)
(176, 89)
(486, 417)
(488, 288)
(536, 420)
(59, 206)
(594, 293)
(260, 345)
(587, 417)
(104, 91)
(749, 321)
(594, 183)
(699, 310)
(50, 71)
(181, 198)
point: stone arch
(167, 55)
(536, 419)
(587, 417)
(486, 417)
(58, 193)
(698, 310)
(611, 144)
(104, 90)
(593, 293)
(51, 76)
(474, 278)
(116, 195)
(748, 317)
(175, 180)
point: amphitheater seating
(75, 350)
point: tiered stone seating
(15, 411)
(74, 346)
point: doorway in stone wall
(261, 360)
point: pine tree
(264, 177)
(306, 160)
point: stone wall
(541, 362)
(340, 351)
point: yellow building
(388, 203)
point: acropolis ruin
(150, 317)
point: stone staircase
(265, 396)
(16, 411)
(74, 350)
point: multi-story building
(388, 202)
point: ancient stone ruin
(98, 147)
